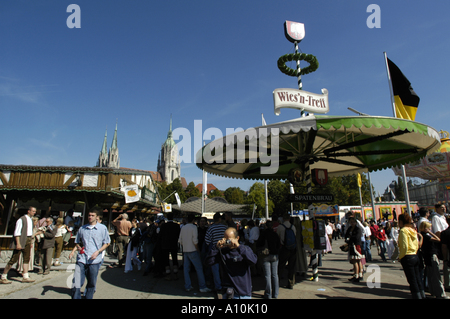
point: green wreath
(311, 59)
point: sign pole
(299, 76)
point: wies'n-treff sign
(300, 99)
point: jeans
(193, 257)
(121, 242)
(215, 269)
(382, 245)
(434, 278)
(410, 264)
(148, 253)
(367, 250)
(83, 271)
(270, 264)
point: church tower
(111, 158)
(169, 159)
(103, 157)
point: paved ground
(114, 284)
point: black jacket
(273, 241)
(169, 233)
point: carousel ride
(339, 145)
(433, 167)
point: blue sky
(137, 62)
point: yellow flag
(359, 180)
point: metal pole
(299, 77)
(371, 195)
(168, 196)
(361, 203)
(390, 85)
(267, 200)
(405, 184)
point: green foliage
(234, 195)
(192, 191)
(399, 190)
(256, 195)
(215, 193)
(165, 190)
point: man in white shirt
(329, 230)
(21, 244)
(189, 240)
(438, 221)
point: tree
(165, 191)
(256, 196)
(192, 191)
(234, 195)
(399, 189)
(277, 192)
(346, 191)
(215, 193)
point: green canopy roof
(341, 144)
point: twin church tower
(168, 159)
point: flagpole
(263, 122)
(405, 184)
(371, 195)
(204, 188)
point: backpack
(290, 242)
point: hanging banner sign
(301, 100)
(131, 193)
(167, 208)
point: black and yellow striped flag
(405, 99)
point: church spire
(103, 157)
(114, 142)
(169, 134)
(113, 156)
(105, 147)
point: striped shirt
(215, 233)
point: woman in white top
(394, 234)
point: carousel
(435, 169)
(337, 145)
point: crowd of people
(225, 255)
(420, 243)
(42, 238)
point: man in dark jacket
(46, 247)
(236, 260)
(170, 231)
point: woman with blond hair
(61, 229)
(409, 242)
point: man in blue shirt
(92, 239)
